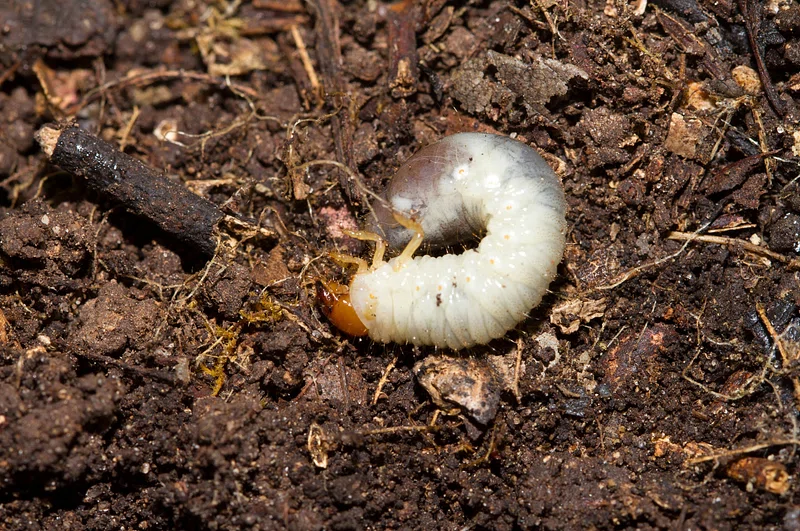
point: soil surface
(145, 386)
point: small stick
(284, 6)
(793, 263)
(123, 141)
(776, 339)
(396, 429)
(517, 367)
(740, 451)
(762, 313)
(383, 380)
(140, 189)
(752, 21)
(307, 65)
(329, 61)
(403, 71)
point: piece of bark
(403, 60)
(138, 188)
(329, 56)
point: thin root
(776, 339)
(383, 380)
(740, 451)
(793, 263)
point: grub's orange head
(335, 302)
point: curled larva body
(463, 185)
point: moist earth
(144, 386)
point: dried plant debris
(686, 136)
(457, 384)
(569, 315)
(782, 316)
(482, 92)
(234, 58)
(760, 473)
(633, 363)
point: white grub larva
(463, 185)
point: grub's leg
(334, 288)
(345, 260)
(380, 244)
(414, 243)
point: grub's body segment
(463, 185)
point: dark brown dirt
(142, 387)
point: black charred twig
(751, 23)
(140, 189)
